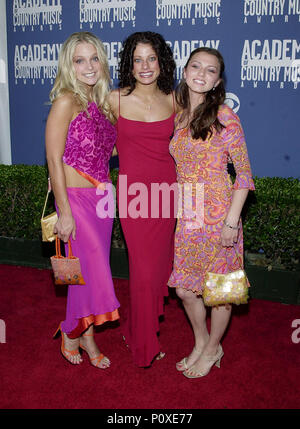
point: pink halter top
(89, 144)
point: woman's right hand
(65, 227)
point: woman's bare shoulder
(115, 94)
(177, 107)
(113, 101)
(64, 107)
(66, 102)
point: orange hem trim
(99, 319)
(89, 178)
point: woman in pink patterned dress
(207, 133)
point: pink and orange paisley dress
(198, 249)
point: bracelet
(230, 226)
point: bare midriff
(76, 180)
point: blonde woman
(79, 142)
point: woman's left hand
(229, 236)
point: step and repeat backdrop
(259, 39)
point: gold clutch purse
(222, 289)
(48, 222)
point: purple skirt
(95, 302)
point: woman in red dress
(145, 109)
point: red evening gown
(144, 158)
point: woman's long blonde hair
(66, 81)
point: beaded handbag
(67, 270)
(222, 289)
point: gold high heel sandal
(212, 360)
(182, 365)
(65, 352)
(100, 361)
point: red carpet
(260, 369)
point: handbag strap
(46, 200)
(58, 249)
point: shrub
(22, 194)
(23, 191)
(272, 222)
(117, 239)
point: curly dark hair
(166, 62)
(205, 116)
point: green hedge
(272, 221)
(271, 215)
(22, 194)
(23, 191)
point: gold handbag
(48, 222)
(222, 289)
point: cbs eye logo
(232, 101)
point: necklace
(148, 106)
(147, 103)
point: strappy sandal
(65, 352)
(211, 361)
(182, 365)
(100, 361)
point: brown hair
(205, 116)
(167, 64)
